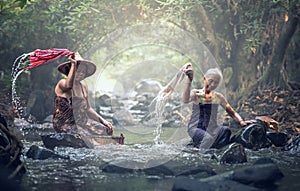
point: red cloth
(39, 57)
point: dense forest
(255, 43)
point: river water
(82, 171)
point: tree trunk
(273, 75)
(234, 60)
(241, 61)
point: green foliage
(238, 19)
(26, 25)
(11, 4)
(22, 3)
(42, 24)
(235, 31)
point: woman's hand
(188, 70)
(243, 123)
(72, 60)
(247, 122)
(108, 124)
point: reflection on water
(82, 171)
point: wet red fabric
(39, 57)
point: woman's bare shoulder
(60, 87)
(220, 96)
(61, 82)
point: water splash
(31, 60)
(17, 70)
(158, 104)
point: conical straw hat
(65, 67)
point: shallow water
(82, 172)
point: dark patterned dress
(204, 129)
(70, 116)
(85, 125)
(63, 118)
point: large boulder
(235, 153)
(148, 86)
(253, 136)
(278, 139)
(187, 184)
(63, 140)
(259, 175)
(170, 168)
(123, 118)
(103, 100)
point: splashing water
(17, 70)
(30, 60)
(159, 102)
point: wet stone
(160, 170)
(294, 146)
(62, 140)
(229, 185)
(104, 100)
(179, 167)
(48, 119)
(279, 139)
(260, 175)
(187, 184)
(122, 166)
(149, 86)
(170, 168)
(253, 136)
(264, 160)
(40, 153)
(235, 153)
(125, 166)
(198, 172)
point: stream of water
(82, 171)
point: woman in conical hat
(73, 112)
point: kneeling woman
(203, 127)
(73, 113)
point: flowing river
(82, 171)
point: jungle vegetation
(256, 43)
